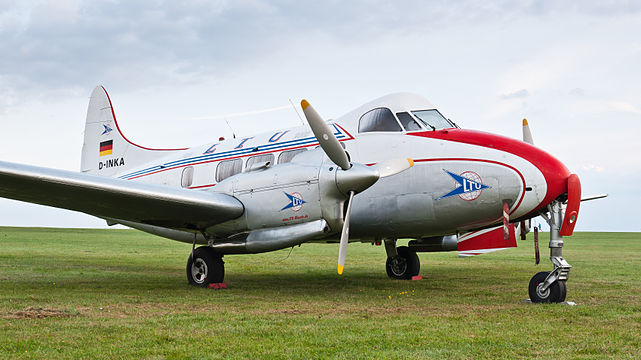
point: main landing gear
(549, 286)
(205, 267)
(402, 263)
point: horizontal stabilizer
(485, 241)
(103, 197)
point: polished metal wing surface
(115, 198)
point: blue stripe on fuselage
(230, 153)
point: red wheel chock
(217, 286)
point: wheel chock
(417, 277)
(217, 286)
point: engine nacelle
(277, 196)
(433, 244)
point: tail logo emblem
(107, 129)
(468, 187)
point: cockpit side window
(380, 119)
(408, 121)
(433, 119)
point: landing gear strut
(550, 286)
(402, 263)
(205, 267)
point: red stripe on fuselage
(221, 159)
(553, 170)
(113, 114)
(349, 137)
(201, 186)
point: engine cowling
(308, 189)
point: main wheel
(403, 266)
(206, 267)
(554, 294)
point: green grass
(123, 294)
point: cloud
(623, 107)
(519, 94)
(577, 92)
(79, 43)
(592, 167)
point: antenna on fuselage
(230, 128)
(297, 113)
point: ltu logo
(468, 187)
(295, 201)
(107, 129)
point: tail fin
(106, 151)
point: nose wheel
(555, 293)
(205, 267)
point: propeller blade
(325, 136)
(506, 221)
(342, 250)
(527, 135)
(393, 166)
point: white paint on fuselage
(365, 148)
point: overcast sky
(176, 70)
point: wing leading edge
(115, 198)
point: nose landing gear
(549, 286)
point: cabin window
(260, 159)
(187, 177)
(380, 119)
(228, 168)
(288, 155)
(408, 121)
(433, 119)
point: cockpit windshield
(432, 119)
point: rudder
(105, 150)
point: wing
(115, 198)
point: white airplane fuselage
(460, 181)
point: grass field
(109, 294)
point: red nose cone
(556, 174)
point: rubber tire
(556, 294)
(411, 260)
(215, 267)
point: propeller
(394, 166)
(506, 221)
(527, 137)
(527, 134)
(354, 177)
(325, 136)
(342, 250)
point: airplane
(394, 168)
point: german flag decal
(106, 147)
